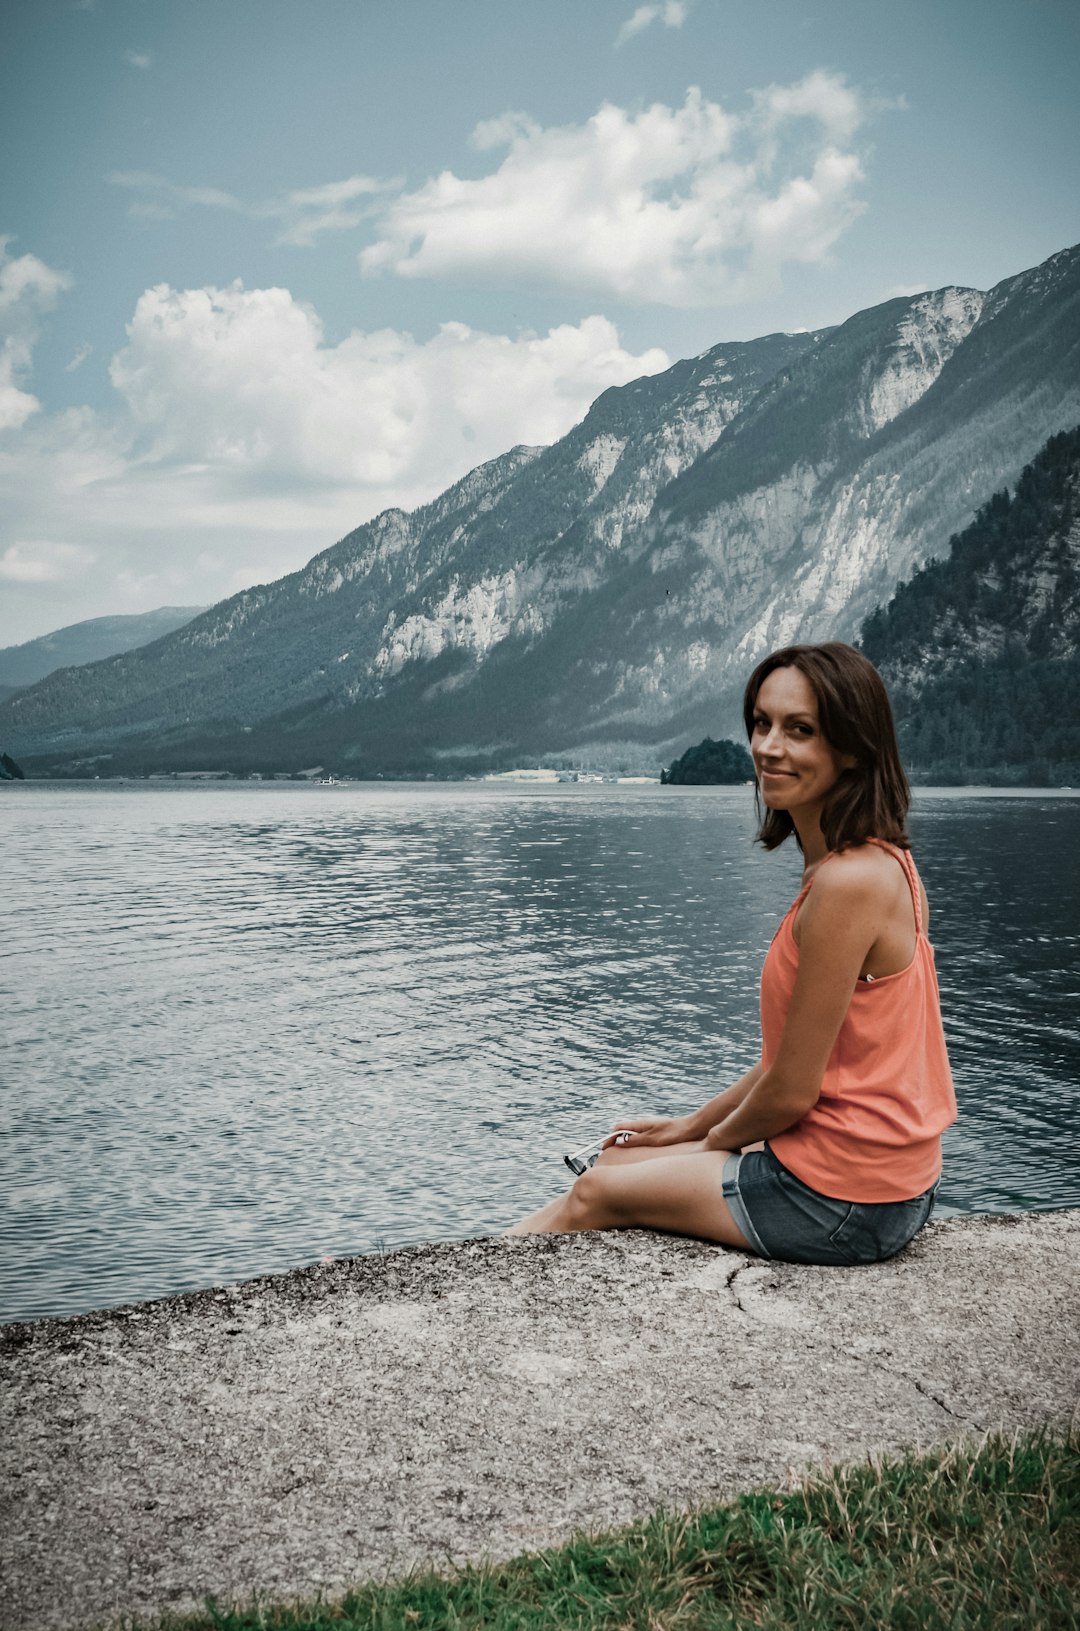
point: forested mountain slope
(981, 650)
(87, 642)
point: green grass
(975, 1535)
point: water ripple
(251, 1027)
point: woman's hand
(651, 1130)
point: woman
(828, 1150)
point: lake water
(247, 1027)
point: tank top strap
(904, 856)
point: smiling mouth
(777, 775)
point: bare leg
(614, 1155)
(678, 1188)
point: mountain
(608, 594)
(981, 650)
(86, 643)
(495, 554)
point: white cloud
(159, 198)
(241, 380)
(335, 207)
(139, 59)
(672, 13)
(688, 206)
(79, 358)
(827, 100)
(27, 288)
(42, 562)
(27, 283)
(242, 442)
(303, 214)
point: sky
(268, 268)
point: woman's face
(796, 766)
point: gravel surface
(443, 1403)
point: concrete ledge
(447, 1402)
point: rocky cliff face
(617, 585)
(841, 478)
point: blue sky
(269, 268)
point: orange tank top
(887, 1092)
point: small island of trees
(710, 764)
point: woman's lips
(777, 775)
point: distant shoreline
(649, 785)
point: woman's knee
(589, 1198)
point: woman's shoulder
(863, 887)
(869, 872)
(875, 852)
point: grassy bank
(971, 1537)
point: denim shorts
(782, 1217)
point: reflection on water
(248, 1027)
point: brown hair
(870, 801)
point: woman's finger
(622, 1135)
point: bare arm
(695, 1125)
(724, 1104)
(843, 917)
